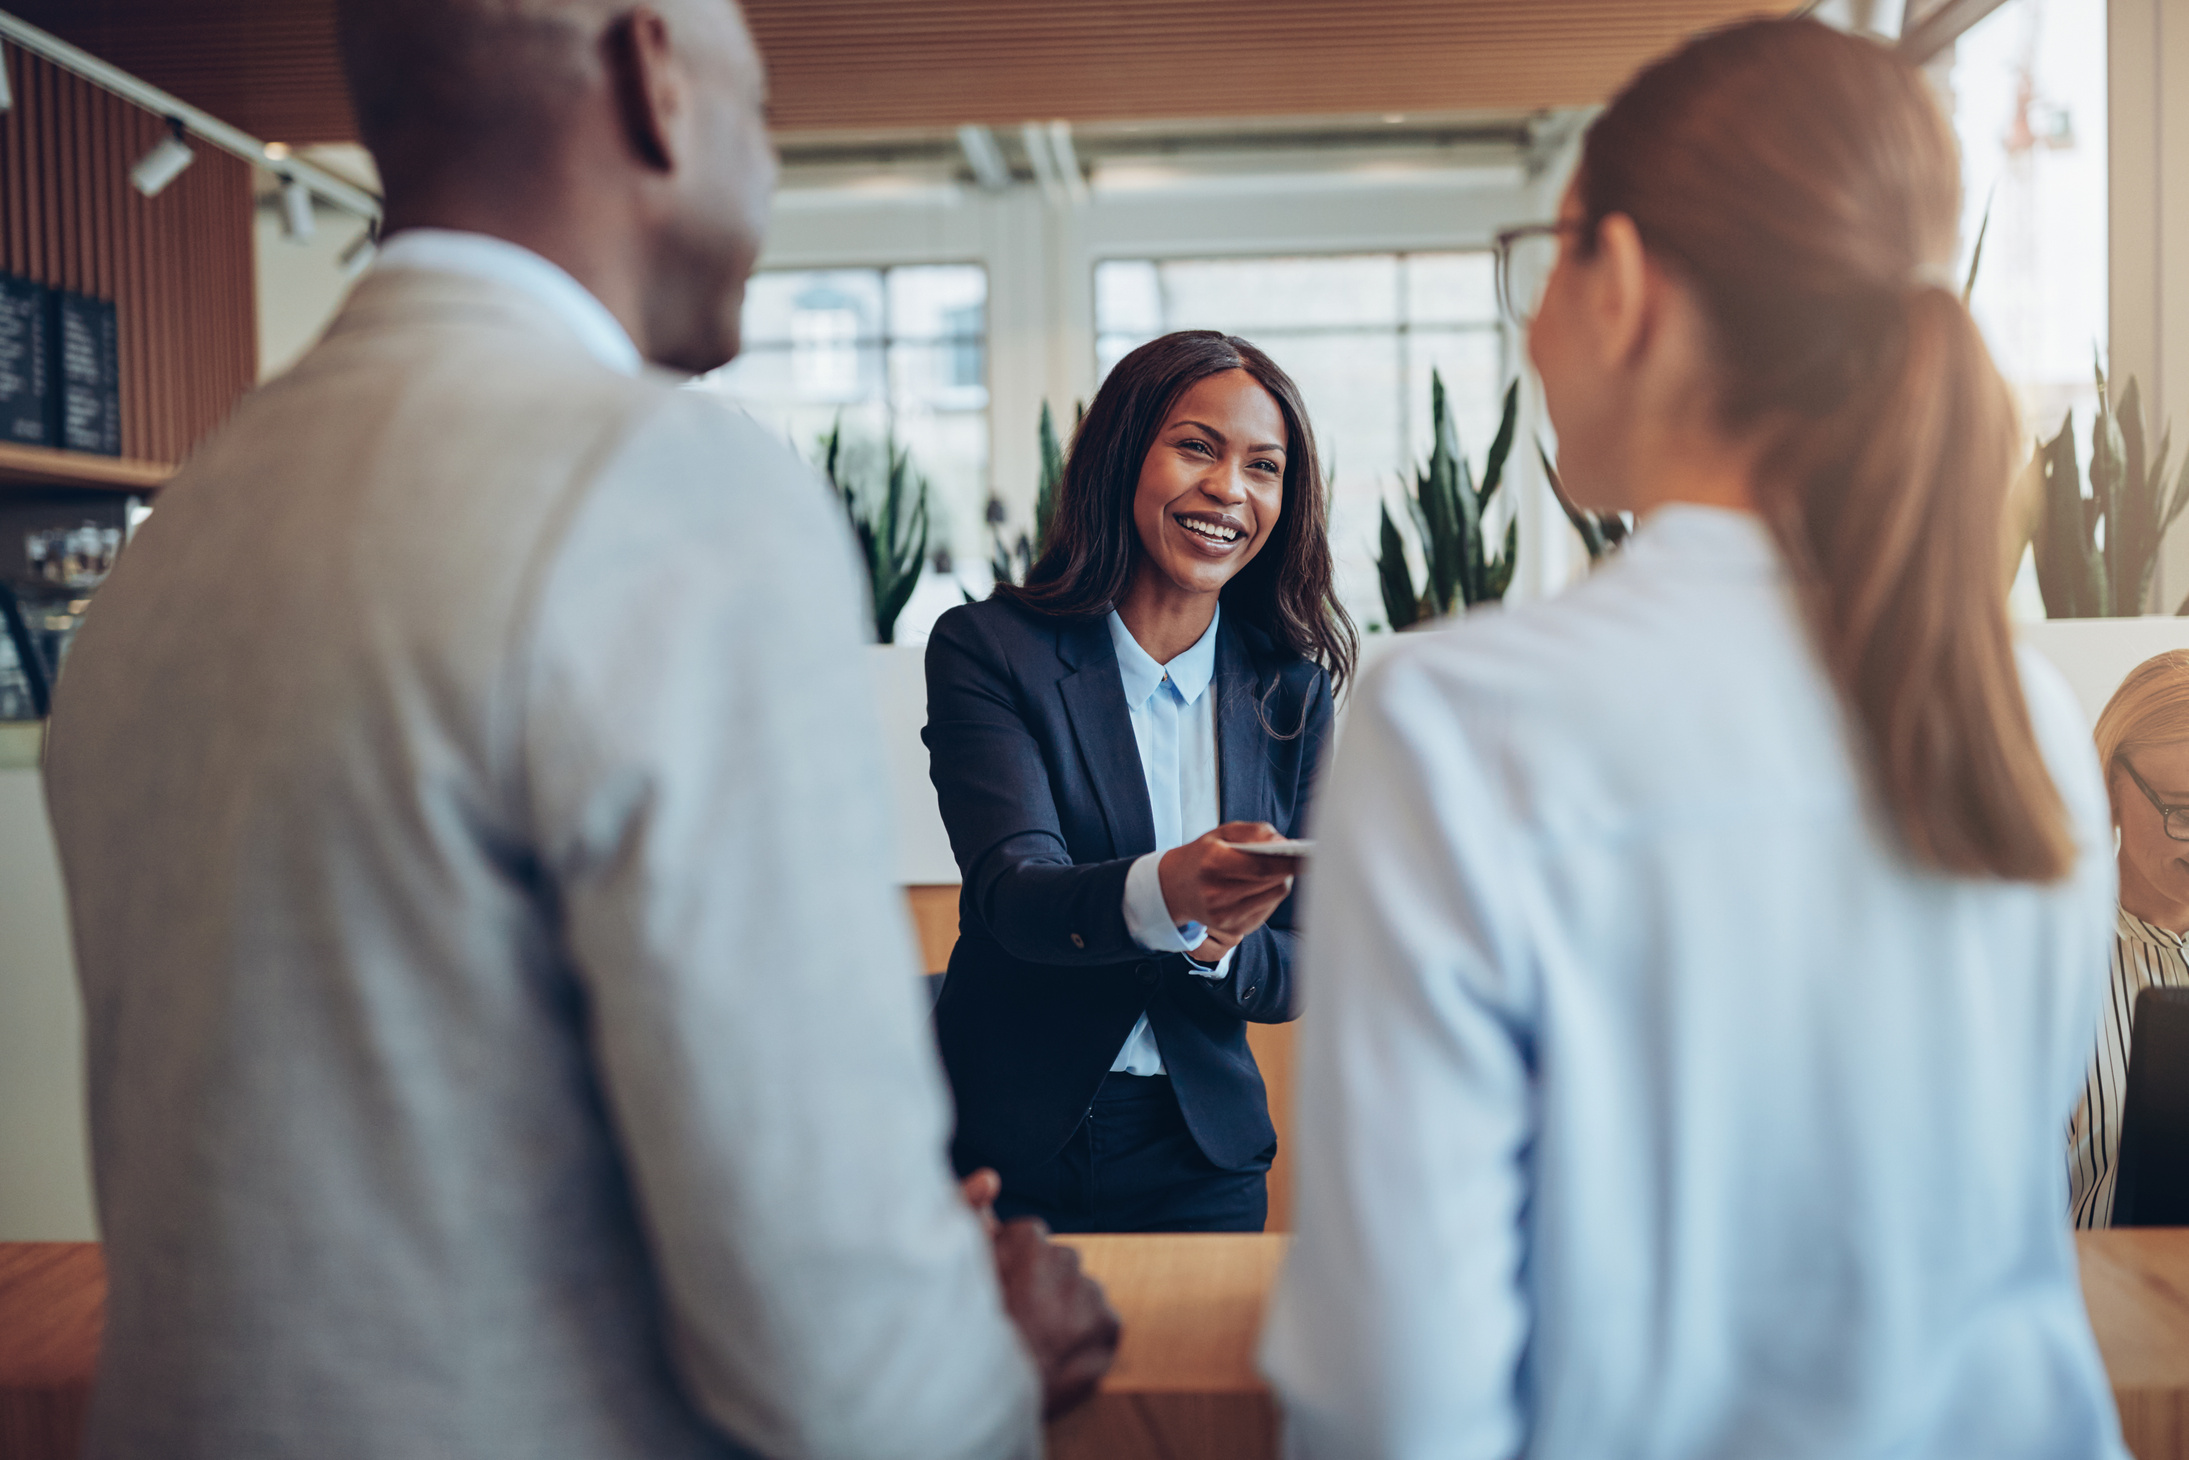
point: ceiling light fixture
(202, 126)
(984, 157)
(297, 223)
(361, 249)
(1036, 141)
(1066, 160)
(164, 163)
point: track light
(1035, 138)
(1055, 161)
(164, 163)
(360, 251)
(1065, 157)
(297, 223)
(7, 96)
(984, 157)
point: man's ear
(652, 94)
(1622, 298)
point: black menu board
(87, 375)
(26, 376)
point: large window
(2028, 90)
(896, 353)
(1360, 333)
(2027, 86)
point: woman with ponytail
(1704, 961)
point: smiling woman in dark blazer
(1162, 684)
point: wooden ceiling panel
(269, 66)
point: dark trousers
(1132, 1166)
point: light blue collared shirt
(1174, 724)
(1656, 1102)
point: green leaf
(891, 525)
(1493, 469)
(1976, 255)
(1052, 476)
(2181, 494)
(2132, 525)
(1501, 568)
(1449, 512)
(1400, 605)
(2060, 536)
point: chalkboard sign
(26, 375)
(87, 375)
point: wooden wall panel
(270, 67)
(178, 267)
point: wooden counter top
(2136, 1285)
(1185, 1385)
(52, 1301)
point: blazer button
(1078, 942)
(1149, 973)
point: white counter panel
(44, 1182)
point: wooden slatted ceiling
(178, 266)
(269, 66)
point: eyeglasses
(2174, 818)
(1525, 258)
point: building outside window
(2027, 89)
(894, 353)
(1360, 334)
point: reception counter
(1184, 1386)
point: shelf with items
(41, 466)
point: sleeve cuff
(1214, 972)
(1148, 917)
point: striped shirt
(2144, 956)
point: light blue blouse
(1174, 725)
(1651, 1101)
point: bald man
(503, 1034)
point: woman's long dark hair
(1094, 549)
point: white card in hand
(1299, 849)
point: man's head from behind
(626, 142)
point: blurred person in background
(503, 1031)
(2143, 745)
(1159, 687)
(1703, 962)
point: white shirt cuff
(1215, 972)
(1148, 917)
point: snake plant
(1009, 562)
(2096, 546)
(1448, 509)
(891, 525)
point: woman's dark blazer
(1033, 758)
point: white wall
(2148, 133)
(45, 1183)
(300, 285)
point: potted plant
(1449, 512)
(890, 523)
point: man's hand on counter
(1062, 1313)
